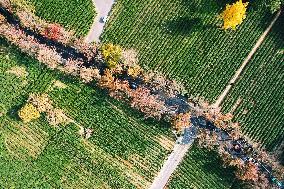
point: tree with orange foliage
(107, 80)
(150, 105)
(181, 121)
(2, 19)
(52, 31)
(120, 90)
(248, 172)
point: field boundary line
(244, 64)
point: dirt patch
(165, 142)
(26, 141)
(236, 105)
(77, 176)
(137, 180)
(18, 71)
(58, 84)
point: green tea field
(126, 126)
(200, 164)
(77, 15)
(39, 155)
(257, 99)
(182, 39)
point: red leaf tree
(52, 31)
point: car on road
(103, 19)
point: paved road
(170, 165)
(103, 8)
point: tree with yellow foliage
(134, 71)
(112, 54)
(2, 19)
(234, 15)
(28, 113)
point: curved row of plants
(116, 70)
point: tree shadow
(277, 32)
(104, 99)
(214, 166)
(275, 143)
(185, 26)
(13, 113)
(281, 157)
(206, 5)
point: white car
(104, 19)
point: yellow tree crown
(234, 15)
(28, 113)
(112, 54)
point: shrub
(129, 57)
(28, 113)
(2, 19)
(89, 50)
(107, 80)
(274, 5)
(52, 31)
(41, 102)
(158, 82)
(150, 105)
(23, 5)
(120, 90)
(5, 3)
(56, 116)
(49, 57)
(181, 121)
(234, 15)
(248, 172)
(208, 139)
(134, 71)
(72, 67)
(112, 54)
(89, 74)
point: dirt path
(170, 165)
(103, 8)
(240, 70)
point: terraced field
(182, 39)
(257, 99)
(75, 15)
(125, 151)
(198, 165)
